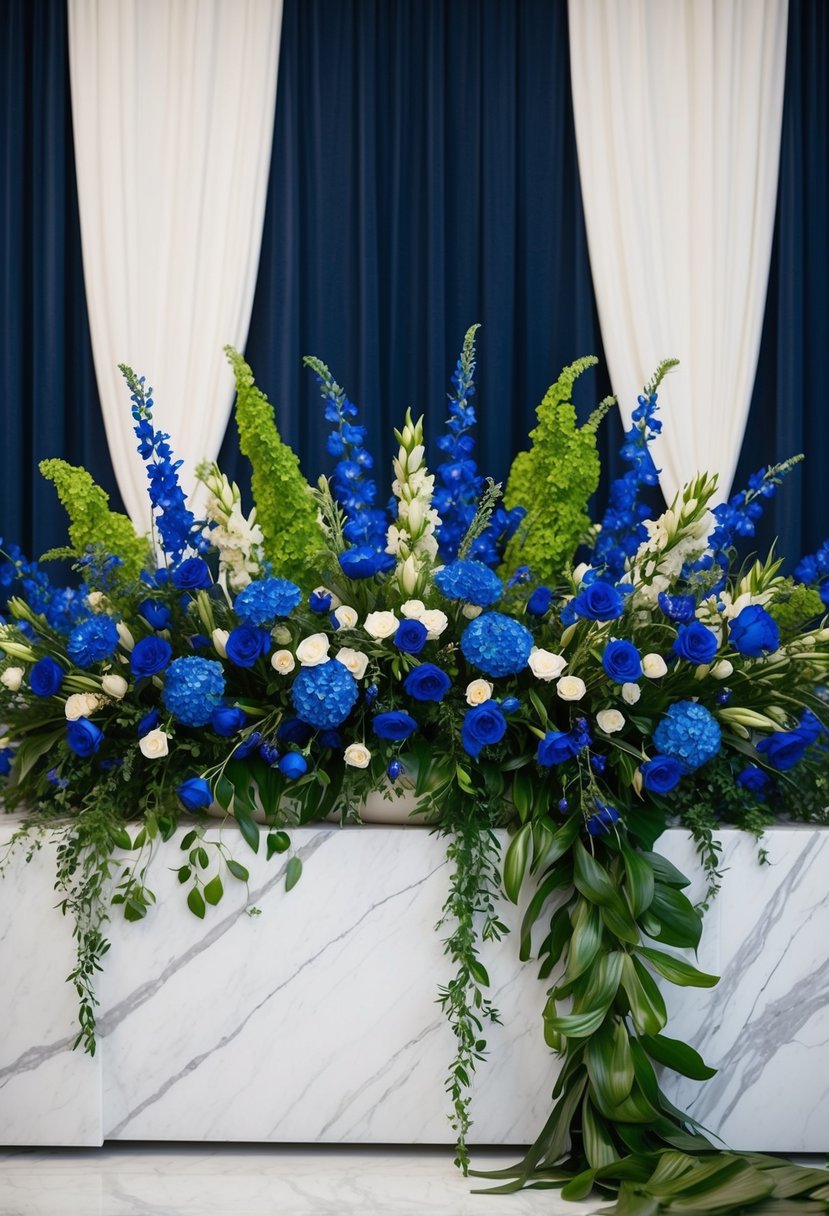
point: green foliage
(285, 507)
(92, 525)
(554, 481)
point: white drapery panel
(173, 106)
(678, 107)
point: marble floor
(233, 1180)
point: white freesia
(313, 650)
(126, 638)
(379, 625)
(654, 666)
(12, 678)
(346, 617)
(722, 669)
(478, 691)
(470, 611)
(545, 665)
(357, 755)
(631, 693)
(81, 705)
(155, 744)
(409, 574)
(413, 609)
(610, 721)
(219, 639)
(571, 688)
(354, 661)
(238, 539)
(115, 686)
(435, 622)
(283, 662)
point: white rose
(155, 744)
(722, 669)
(654, 666)
(335, 600)
(631, 693)
(281, 634)
(356, 664)
(478, 691)
(127, 640)
(219, 638)
(283, 661)
(115, 686)
(610, 721)
(413, 609)
(357, 755)
(96, 601)
(381, 625)
(346, 617)
(435, 621)
(12, 678)
(470, 611)
(81, 705)
(313, 650)
(571, 688)
(545, 665)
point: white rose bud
(413, 609)
(545, 665)
(579, 572)
(115, 686)
(313, 650)
(219, 638)
(631, 693)
(281, 634)
(610, 721)
(381, 625)
(155, 744)
(283, 662)
(12, 678)
(357, 755)
(354, 661)
(96, 601)
(436, 622)
(81, 705)
(654, 666)
(722, 669)
(127, 640)
(470, 611)
(346, 617)
(571, 688)
(478, 691)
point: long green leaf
(586, 939)
(515, 862)
(558, 877)
(640, 879)
(249, 830)
(609, 1063)
(676, 970)
(598, 1143)
(649, 1016)
(681, 924)
(675, 1054)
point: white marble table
(316, 1020)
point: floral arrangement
(506, 660)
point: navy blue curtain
(50, 400)
(789, 412)
(424, 177)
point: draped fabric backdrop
(173, 104)
(423, 178)
(678, 109)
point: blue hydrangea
(265, 599)
(470, 581)
(193, 688)
(92, 640)
(496, 644)
(688, 733)
(324, 696)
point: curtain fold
(173, 104)
(678, 111)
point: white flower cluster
(412, 538)
(678, 536)
(237, 539)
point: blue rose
(6, 761)
(755, 780)
(556, 747)
(427, 683)
(46, 677)
(510, 705)
(364, 562)
(192, 575)
(622, 661)
(319, 601)
(539, 601)
(149, 722)
(157, 616)
(482, 725)
(661, 774)
(754, 632)
(809, 727)
(247, 745)
(411, 636)
(294, 730)
(84, 737)
(696, 644)
(293, 765)
(195, 793)
(149, 657)
(199, 642)
(678, 607)
(394, 725)
(227, 720)
(783, 750)
(600, 601)
(246, 644)
(331, 739)
(603, 820)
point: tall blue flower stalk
(813, 570)
(460, 485)
(62, 607)
(177, 526)
(354, 490)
